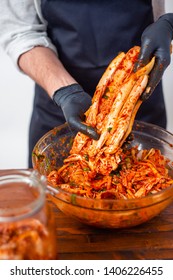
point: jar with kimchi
(27, 226)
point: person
(66, 45)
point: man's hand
(156, 41)
(74, 102)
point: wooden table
(152, 240)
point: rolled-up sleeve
(22, 27)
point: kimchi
(105, 168)
(26, 240)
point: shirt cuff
(17, 48)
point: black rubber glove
(156, 41)
(74, 102)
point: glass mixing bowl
(54, 147)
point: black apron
(88, 35)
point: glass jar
(27, 225)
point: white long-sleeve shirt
(22, 26)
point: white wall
(16, 97)
(168, 80)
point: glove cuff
(61, 94)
